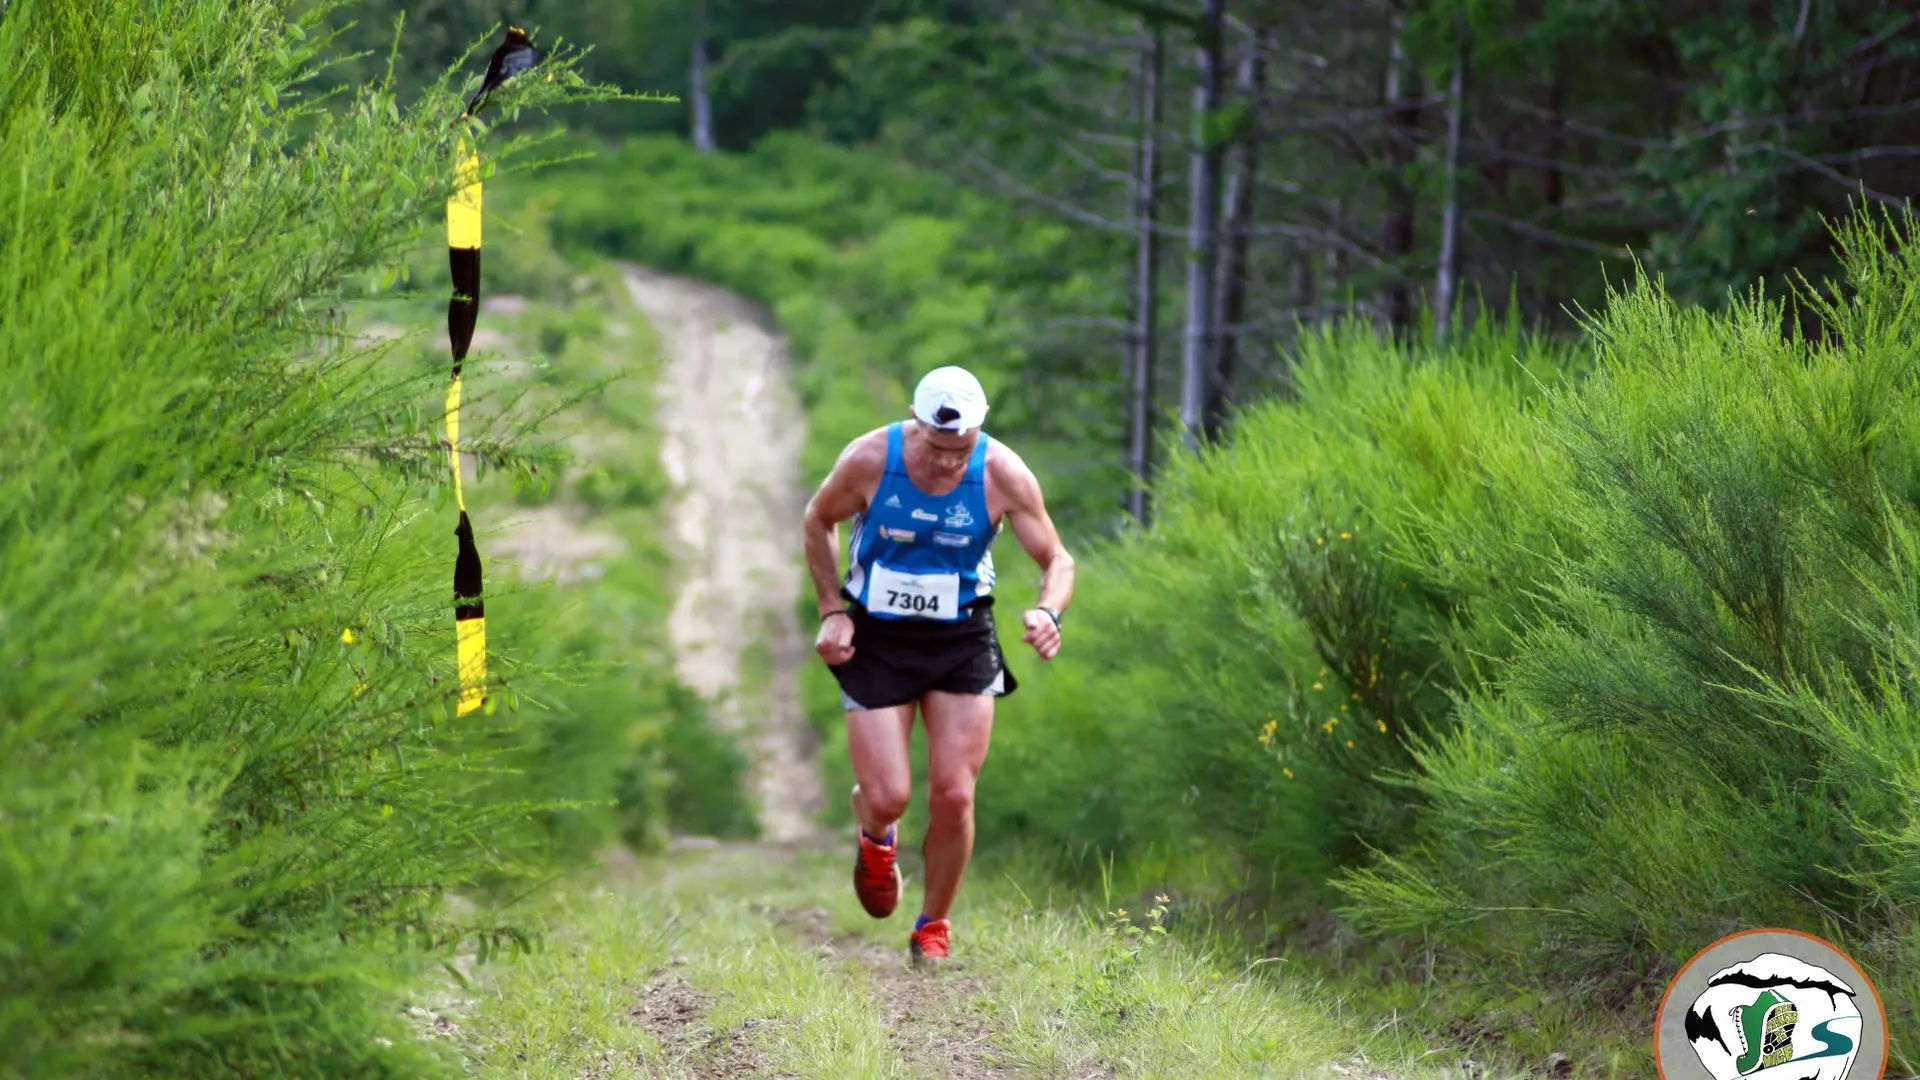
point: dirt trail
(929, 1020)
(732, 436)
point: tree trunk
(1449, 273)
(1237, 217)
(1146, 274)
(1196, 351)
(1396, 241)
(702, 103)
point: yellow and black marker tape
(517, 54)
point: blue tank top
(921, 556)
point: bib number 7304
(920, 596)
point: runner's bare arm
(842, 494)
(1027, 512)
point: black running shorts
(896, 661)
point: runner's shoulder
(1007, 471)
(1005, 466)
(866, 455)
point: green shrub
(1252, 670)
(225, 821)
(1709, 726)
(1572, 675)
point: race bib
(920, 596)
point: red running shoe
(876, 873)
(931, 943)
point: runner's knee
(886, 802)
(949, 801)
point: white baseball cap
(950, 399)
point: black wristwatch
(1051, 614)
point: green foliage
(874, 272)
(1717, 712)
(1571, 675)
(1253, 668)
(772, 66)
(232, 789)
(1112, 992)
(617, 749)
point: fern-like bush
(232, 788)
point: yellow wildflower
(347, 635)
(1349, 744)
(1346, 536)
(1383, 726)
(1317, 686)
(1289, 773)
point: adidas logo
(893, 501)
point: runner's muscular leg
(879, 741)
(959, 726)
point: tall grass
(231, 786)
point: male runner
(912, 625)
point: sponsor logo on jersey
(904, 536)
(958, 516)
(893, 501)
(952, 539)
(922, 515)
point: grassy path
(755, 961)
(724, 960)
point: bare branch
(1085, 322)
(1833, 174)
(1028, 193)
(1325, 238)
(1487, 151)
(1155, 12)
(1544, 233)
(1880, 37)
(1868, 153)
(1711, 130)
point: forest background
(1519, 584)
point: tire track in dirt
(732, 434)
